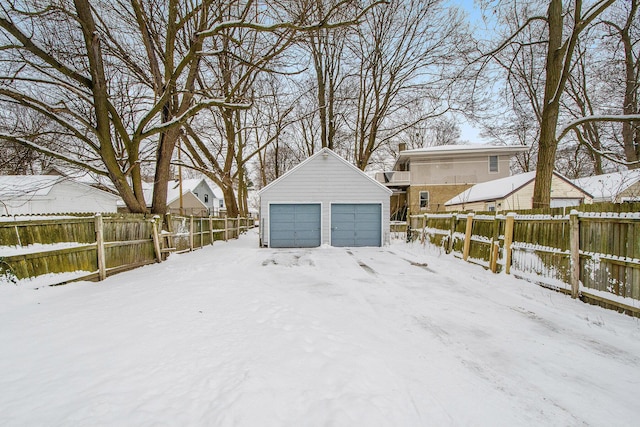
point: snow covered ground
(235, 335)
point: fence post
(495, 245)
(156, 238)
(424, 222)
(238, 227)
(169, 221)
(452, 231)
(211, 229)
(508, 240)
(191, 232)
(102, 269)
(226, 229)
(467, 236)
(574, 239)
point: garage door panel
(294, 225)
(356, 224)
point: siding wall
(191, 205)
(213, 204)
(522, 199)
(457, 170)
(64, 197)
(324, 180)
(631, 191)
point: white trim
(426, 208)
(318, 154)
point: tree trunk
(162, 176)
(101, 106)
(548, 144)
(229, 197)
(630, 134)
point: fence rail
(591, 255)
(98, 246)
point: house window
(206, 198)
(424, 200)
(493, 163)
(221, 203)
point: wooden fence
(103, 245)
(591, 255)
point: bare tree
(248, 44)
(560, 48)
(402, 58)
(625, 26)
(119, 82)
(325, 48)
(122, 82)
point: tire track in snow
(364, 266)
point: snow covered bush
(6, 273)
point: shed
(41, 194)
(516, 192)
(324, 200)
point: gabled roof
(12, 186)
(500, 188)
(173, 189)
(328, 152)
(608, 186)
(30, 186)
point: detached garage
(324, 200)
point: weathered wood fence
(591, 255)
(103, 245)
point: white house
(617, 187)
(43, 194)
(199, 197)
(324, 200)
(516, 192)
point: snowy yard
(235, 335)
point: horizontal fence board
(127, 241)
(609, 244)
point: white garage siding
(328, 179)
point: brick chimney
(402, 146)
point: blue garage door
(356, 225)
(294, 225)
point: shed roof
(608, 186)
(500, 188)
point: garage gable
(325, 179)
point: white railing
(395, 177)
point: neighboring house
(617, 187)
(199, 197)
(47, 194)
(324, 200)
(516, 192)
(423, 179)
